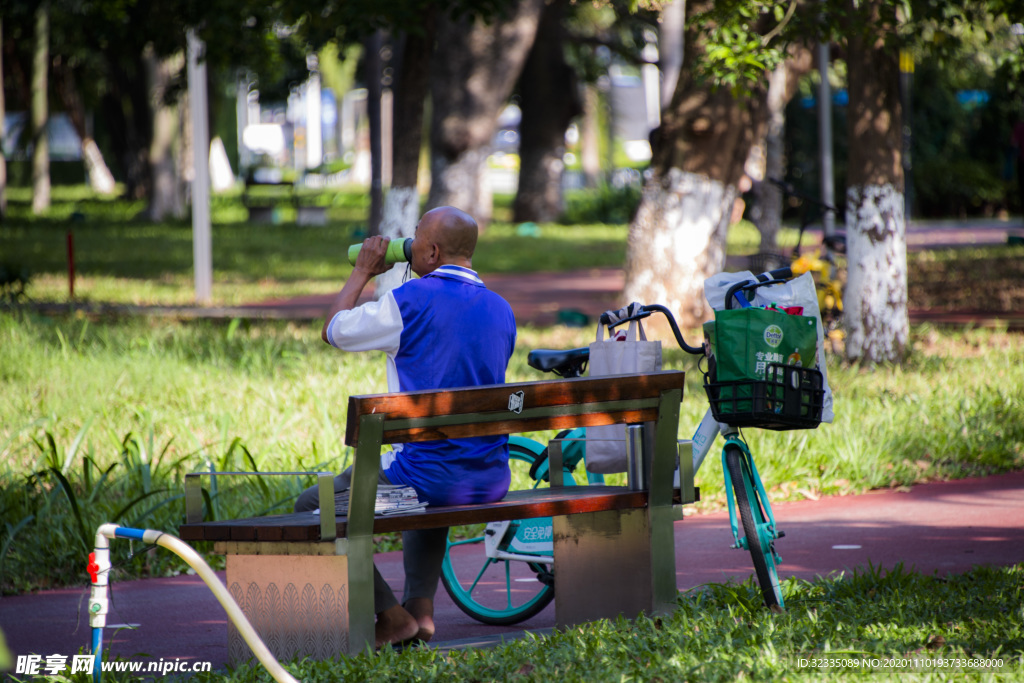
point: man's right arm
(369, 264)
(374, 326)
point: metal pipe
(636, 464)
(98, 602)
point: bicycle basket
(790, 397)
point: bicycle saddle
(559, 362)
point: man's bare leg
(395, 625)
(422, 610)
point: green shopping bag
(745, 340)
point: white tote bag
(622, 354)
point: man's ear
(435, 253)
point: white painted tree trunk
(676, 241)
(401, 213)
(875, 306)
(100, 178)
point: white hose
(194, 560)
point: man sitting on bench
(445, 329)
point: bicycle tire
(485, 604)
(752, 517)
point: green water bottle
(399, 251)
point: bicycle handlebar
(637, 311)
(770, 278)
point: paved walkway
(946, 527)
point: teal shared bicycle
(512, 580)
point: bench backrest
(513, 408)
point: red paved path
(945, 527)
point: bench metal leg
(602, 566)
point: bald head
(456, 231)
(444, 235)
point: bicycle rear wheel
(496, 591)
(759, 538)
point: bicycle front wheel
(755, 527)
(494, 591)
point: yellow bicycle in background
(826, 264)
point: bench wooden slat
(512, 408)
(526, 504)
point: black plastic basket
(790, 397)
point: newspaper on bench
(391, 500)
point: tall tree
(875, 306)
(875, 300)
(373, 73)
(677, 238)
(550, 98)
(782, 85)
(40, 110)
(474, 68)
(166, 186)
(402, 202)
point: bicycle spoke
(483, 569)
(508, 585)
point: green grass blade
(75, 445)
(138, 499)
(84, 536)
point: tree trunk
(670, 47)
(474, 69)
(782, 86)
(402, 202)
(166, 197)
(767, 210)
(677, 238)
(40, 111)
(590, 146)
(3, 114)
(126, 108)
(549, 98)
(100, 178)
(373, 72)
(875, 307)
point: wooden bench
(306, 581)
